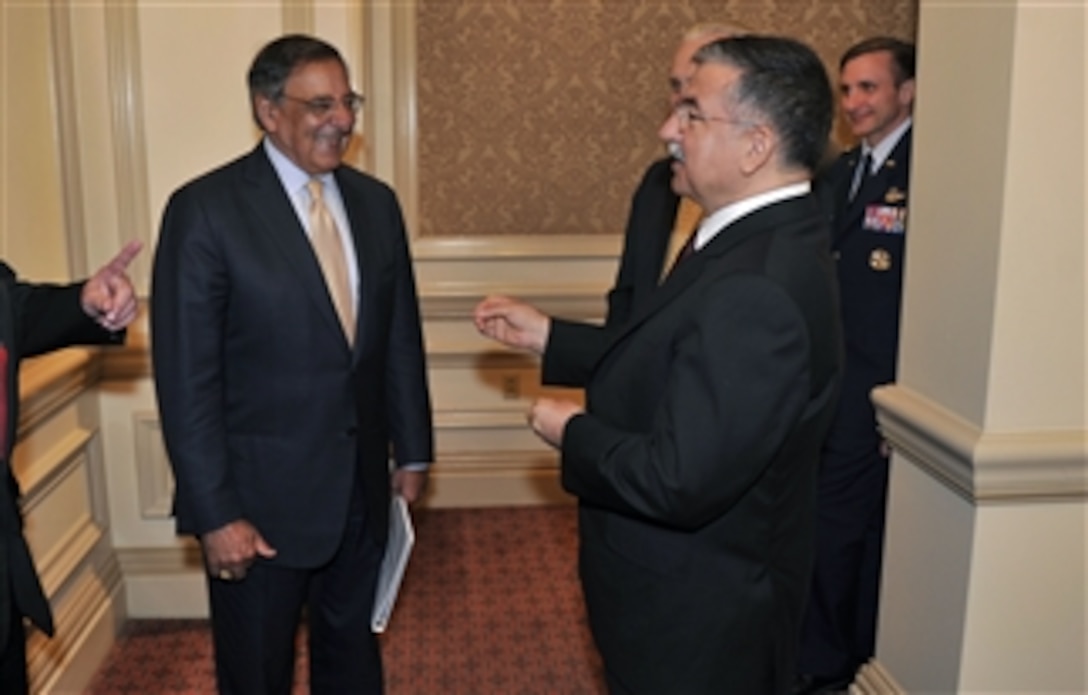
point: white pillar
(985, 563)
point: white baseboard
(873, 679)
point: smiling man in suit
(289, 363)
(695, 459)
(865, 192)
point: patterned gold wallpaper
(539, 116)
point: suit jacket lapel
(270, 204)
(694, 268)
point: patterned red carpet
(490, 606)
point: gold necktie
(688, 215)
(330, 255)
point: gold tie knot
(317, 193)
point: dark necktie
(865, 167)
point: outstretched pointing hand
(108, 295)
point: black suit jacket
(695, 464)
(267, 413)
(34, 319)
(574, 347)
(868, 241)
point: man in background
(659, 223)
(289, 367)
(865, 193)
(694, 461)
(35, 319)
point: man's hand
(231, 549)
(513, 323)
(108, 296)
(409, 484)
(548, 418)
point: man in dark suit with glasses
(289, 368)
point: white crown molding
(978, 465)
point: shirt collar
(723, 217)
(293, 178)
(884, 148)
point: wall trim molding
(556, 247)
(48, 382)
(1033, 466)
(182, 558)
(88, 620)
(64, 560)
(129, 140)
(68, 141)
(155, 482)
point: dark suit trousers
(254, 621)
(839, 629)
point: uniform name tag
(886, 219)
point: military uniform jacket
(868, 241)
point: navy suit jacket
(34, 319)
(869, 243)
(268, 415)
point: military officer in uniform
(865, 194)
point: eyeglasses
(320, 107)
(686, 115)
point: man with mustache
(289, 368)
(865, 193)
(659, 223)
(694, 460)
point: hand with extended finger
(108, 296)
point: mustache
(675, 151)
(334, 132)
